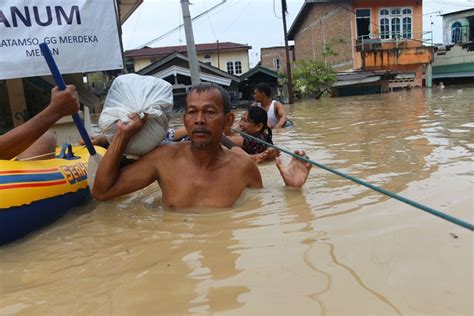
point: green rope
(445, 216)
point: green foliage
(328, 48)
(313, 77)
(281, 75)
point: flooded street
(331, 248)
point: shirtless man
(276, 113)
(31, 138)
(196, 173)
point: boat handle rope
(425, 208)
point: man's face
(204, 118)
(258, 96)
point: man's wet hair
(207, 86)
(264, 88)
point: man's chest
(188, 188)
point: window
(363, 22)
(396, 23)
(130, 65)
(384, 28)
(456, 32)
(238, 67)
(406, 28)
(276, 63)
(395, 27)
(230, 67)
(207, 59)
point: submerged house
(454, 59)
(230, 57)
(274, 58)
(364, 36)
(174, 68)
(256, 75)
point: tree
(313, 77)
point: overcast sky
(257, 23)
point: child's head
(254, 120)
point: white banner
(82, 35)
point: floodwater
(331, 248)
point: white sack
(142, 94)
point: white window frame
(230, 70)
(207, 60)
(276, 63)
(390, 17)
(238, 67)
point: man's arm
(255, 178)
(237, 140)
(63, 103)
(281, 114)
(110, 180)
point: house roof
(257, 69)
(127, 7)
(457, 12)
(200, 48)
(290, 47)
(209, 74)
(301, 16)
(361, 75)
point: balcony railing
(374, 41)
(379, 53)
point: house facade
(365, 35)
(458, 27)
(454, 59)
(320, 26)
(232, 58)
(174, 68)
(274, 58)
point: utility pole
(188, 29)
(288, 66)
(218, 56)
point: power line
(179, 27)
(237, 16)
(210, 22)
(458, 4)
(135, 27)
(274, 11)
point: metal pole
(218, 56)
(192, 56)
(429, 76)
(288, 66)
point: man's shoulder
(168, 149)
(277, 103)
(240, 158)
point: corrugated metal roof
(206, 47)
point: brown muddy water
(332, 248)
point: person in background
(31, 139)
(276, 113)
(254, 123)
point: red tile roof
(200, 48)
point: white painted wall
(224, 57)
